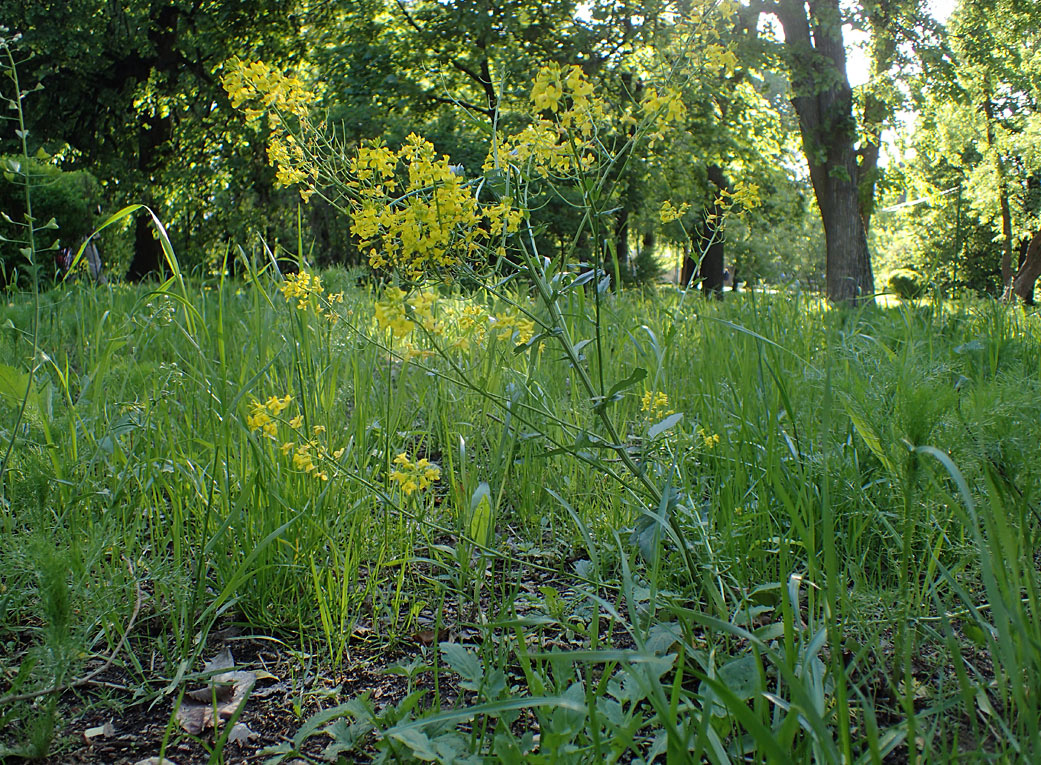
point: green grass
(848, 570)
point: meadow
(774, 532)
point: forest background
(939, 136)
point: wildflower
(296, 422)
(656, 404)
(414, 476)
(390, 313)
(745, 195)
(433, 226)
(277, 405)
(547, 89)
(301, 287)
(513, 325)
(669, 213)
(710, 440)
(260, 416)
(302, 459)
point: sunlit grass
(822, 579)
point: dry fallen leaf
(222, 661)
(196, 716)
(429, 637)
(241, 732)
(226, 691)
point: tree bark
(711, 233)
(153, 140)
(883, 18)
(148, 252)
(1029, 271)
(1003, 203)
(823, 100)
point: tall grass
(847, 571)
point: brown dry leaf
(219, 690)
(195, 716)
(429, 637)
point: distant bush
(906, 283)
(69, 197)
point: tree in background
(968, 204)
(131, 92)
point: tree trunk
(148, 252)
(712, 245)
(153, 140)
(824, 102)
(1006, 212)
(883, 20)
(1029, 271)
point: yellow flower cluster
(543, 147)
(743, 195)
(266, 90)
(460, 324)
(259, 89)
(580, 109)
(656, 404)
(262, 417)
(669, 213)
(304, 455)
(471, 326)
(720, 58)
(390, 313)
(262, 414)
(303, 286)
(563, 146)
(432, 226)
(663, 109)
(513, 325)
(286, 155)
(300, 287)
(709, 440)
(414, 476)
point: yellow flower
(413, 476)
(655, 404)
(506, 324)
(300, 287)
(669, 213)
(390, 313)
(547, 90)
(297, 421)
(709, 440)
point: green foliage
(763, 461)
(906, 283)
(69, 198)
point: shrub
(69, 197)
(906, 283)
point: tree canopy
(131, 93)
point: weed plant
(639, 526)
